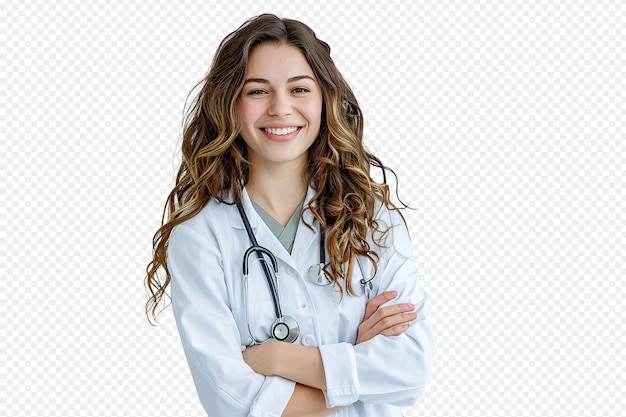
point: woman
(273, 152)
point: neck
(279, 188)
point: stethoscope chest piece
(285, 329)
(316, 274)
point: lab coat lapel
(305, 237)
(263, 234)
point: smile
(281, 130)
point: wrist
(275, 359)
(300, 364)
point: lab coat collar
(237, 222)
(305, 237)
(235, 219)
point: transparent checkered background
(503, 120)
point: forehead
(277, 62)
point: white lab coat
(373, 378)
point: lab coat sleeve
(226, 385)
(390, 370)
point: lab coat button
(308, 340)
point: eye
(300, 90)
(255, 92)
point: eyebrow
(290, 80)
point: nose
(280, 105)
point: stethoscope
(284, 328)
(317, 275)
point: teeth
(281, 131)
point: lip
(280, 138)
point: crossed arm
(304, 366)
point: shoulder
(213, 220)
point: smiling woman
(281, 107)
(275, 173)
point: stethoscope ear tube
(259, 251)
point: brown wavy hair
(214, 154)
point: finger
(389, 326)
(396, 330)
(392, 321)
(374, 303)
(383, 313)
(392, 310)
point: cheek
(249, 113)
(313, 112)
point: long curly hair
(214, 155)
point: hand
(261, 357)
(389, 321)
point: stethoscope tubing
(260, 250)
(284, 328)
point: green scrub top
(286, 235)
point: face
(281, 105)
